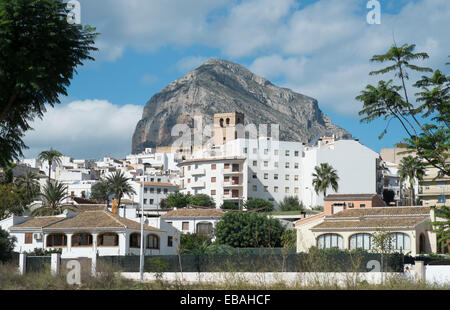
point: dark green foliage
(52, 156)
(101, 192)
(6, 245)
(177, 200)
(118, 184)
(202, 200)
(42, 252)
(291, 203)
(388, 196)
(248, 230)
(258, 203)
(442, 225)
(190, 242)
(228, 205)
(289, 239)
(29, 185)
(39, 51)
(52, 195)
(411, 168)
(12, 201)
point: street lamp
(141, 261)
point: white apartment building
(153, 193)
(162, 161)
(356, 167)
(243, 169)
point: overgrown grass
(108, 279)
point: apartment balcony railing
(232, 184)
(198, 171)
(197, 184)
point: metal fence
(259, 262)
(38, 263)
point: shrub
(258, 203)
(291, 203)
(6, 245)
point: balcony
(198, 184)
(232, 184)
(199, 171)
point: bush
(248, 230)
(258, 203)
(228, 205)
(176, 200)
(42, 252)
(202, 200)
(190, 242)
(6, 246)
(291, 203)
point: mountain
(220, 86)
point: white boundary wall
(439, 275)
(267, 278)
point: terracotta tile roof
(39, 222)
(99, 219)
(194, 213)
(374, 222)
(378, 211)
(349, 197)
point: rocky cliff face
(220, 86)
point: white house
(87, 233)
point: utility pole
(141, 262)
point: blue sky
(319, 48)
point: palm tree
(118, 185)
(411, 168)
(442, 227)
(52, 195)
(101, 192)
(29, 184)
(324, 177)
(52, 156)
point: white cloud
(189, 63)
(148, 79)
(89, 129)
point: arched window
(204, 228)
(228, 121)
(82, 239)
(153, 242)
(221, 122)
(56, 240)
(400, 241)
(108, 239)
(361, 241)
(328, 241)
(135, 240)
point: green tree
(202, 200)
(291, 203)
(427, 124)
(442, 225)
(190, 242)
(324, 177)
(289, 238)
(7, 175)
(411, 168)
(52, 194)
(11, 201)
(52, 157)
(177, 200)
(39, 52)
(248, 229)
(6, 246)
(229, 205)
(258, 203)
(119, 185)
(101, 192)
(388, 196)
(30, 185)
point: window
(204, 228)
(158, 191)
(275, 152)
(82, 239)
(275, 176)
(226, 166)
(287, 153)
(255, 188)
(169, 241)
(362, 206)
(361, 241)
(296, 153)
(266, 188)
(145, 190)
(152, 201)
(189, 180)
(266, 164)
(226, 179)
(166, 191)
(152, 190)
(245, 150)
(28, 238)
(296, 190)
(56, 240)
(275, 189)
(185, 226)
(266, 176)
(213, 166)
(135, 240)
(145, 201)
(213, 180)
(108, 239)
(255, 163)
(296, 165)
(286, 177)
(287, 165)
(236, 167)
(266, 152)
(286, 190)
(295, 177)
(276, 164)
(400, 241)
(328, 241)
(226, 191)
(189, 168)
(153, 242)
(254, 176)
(213, 192)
